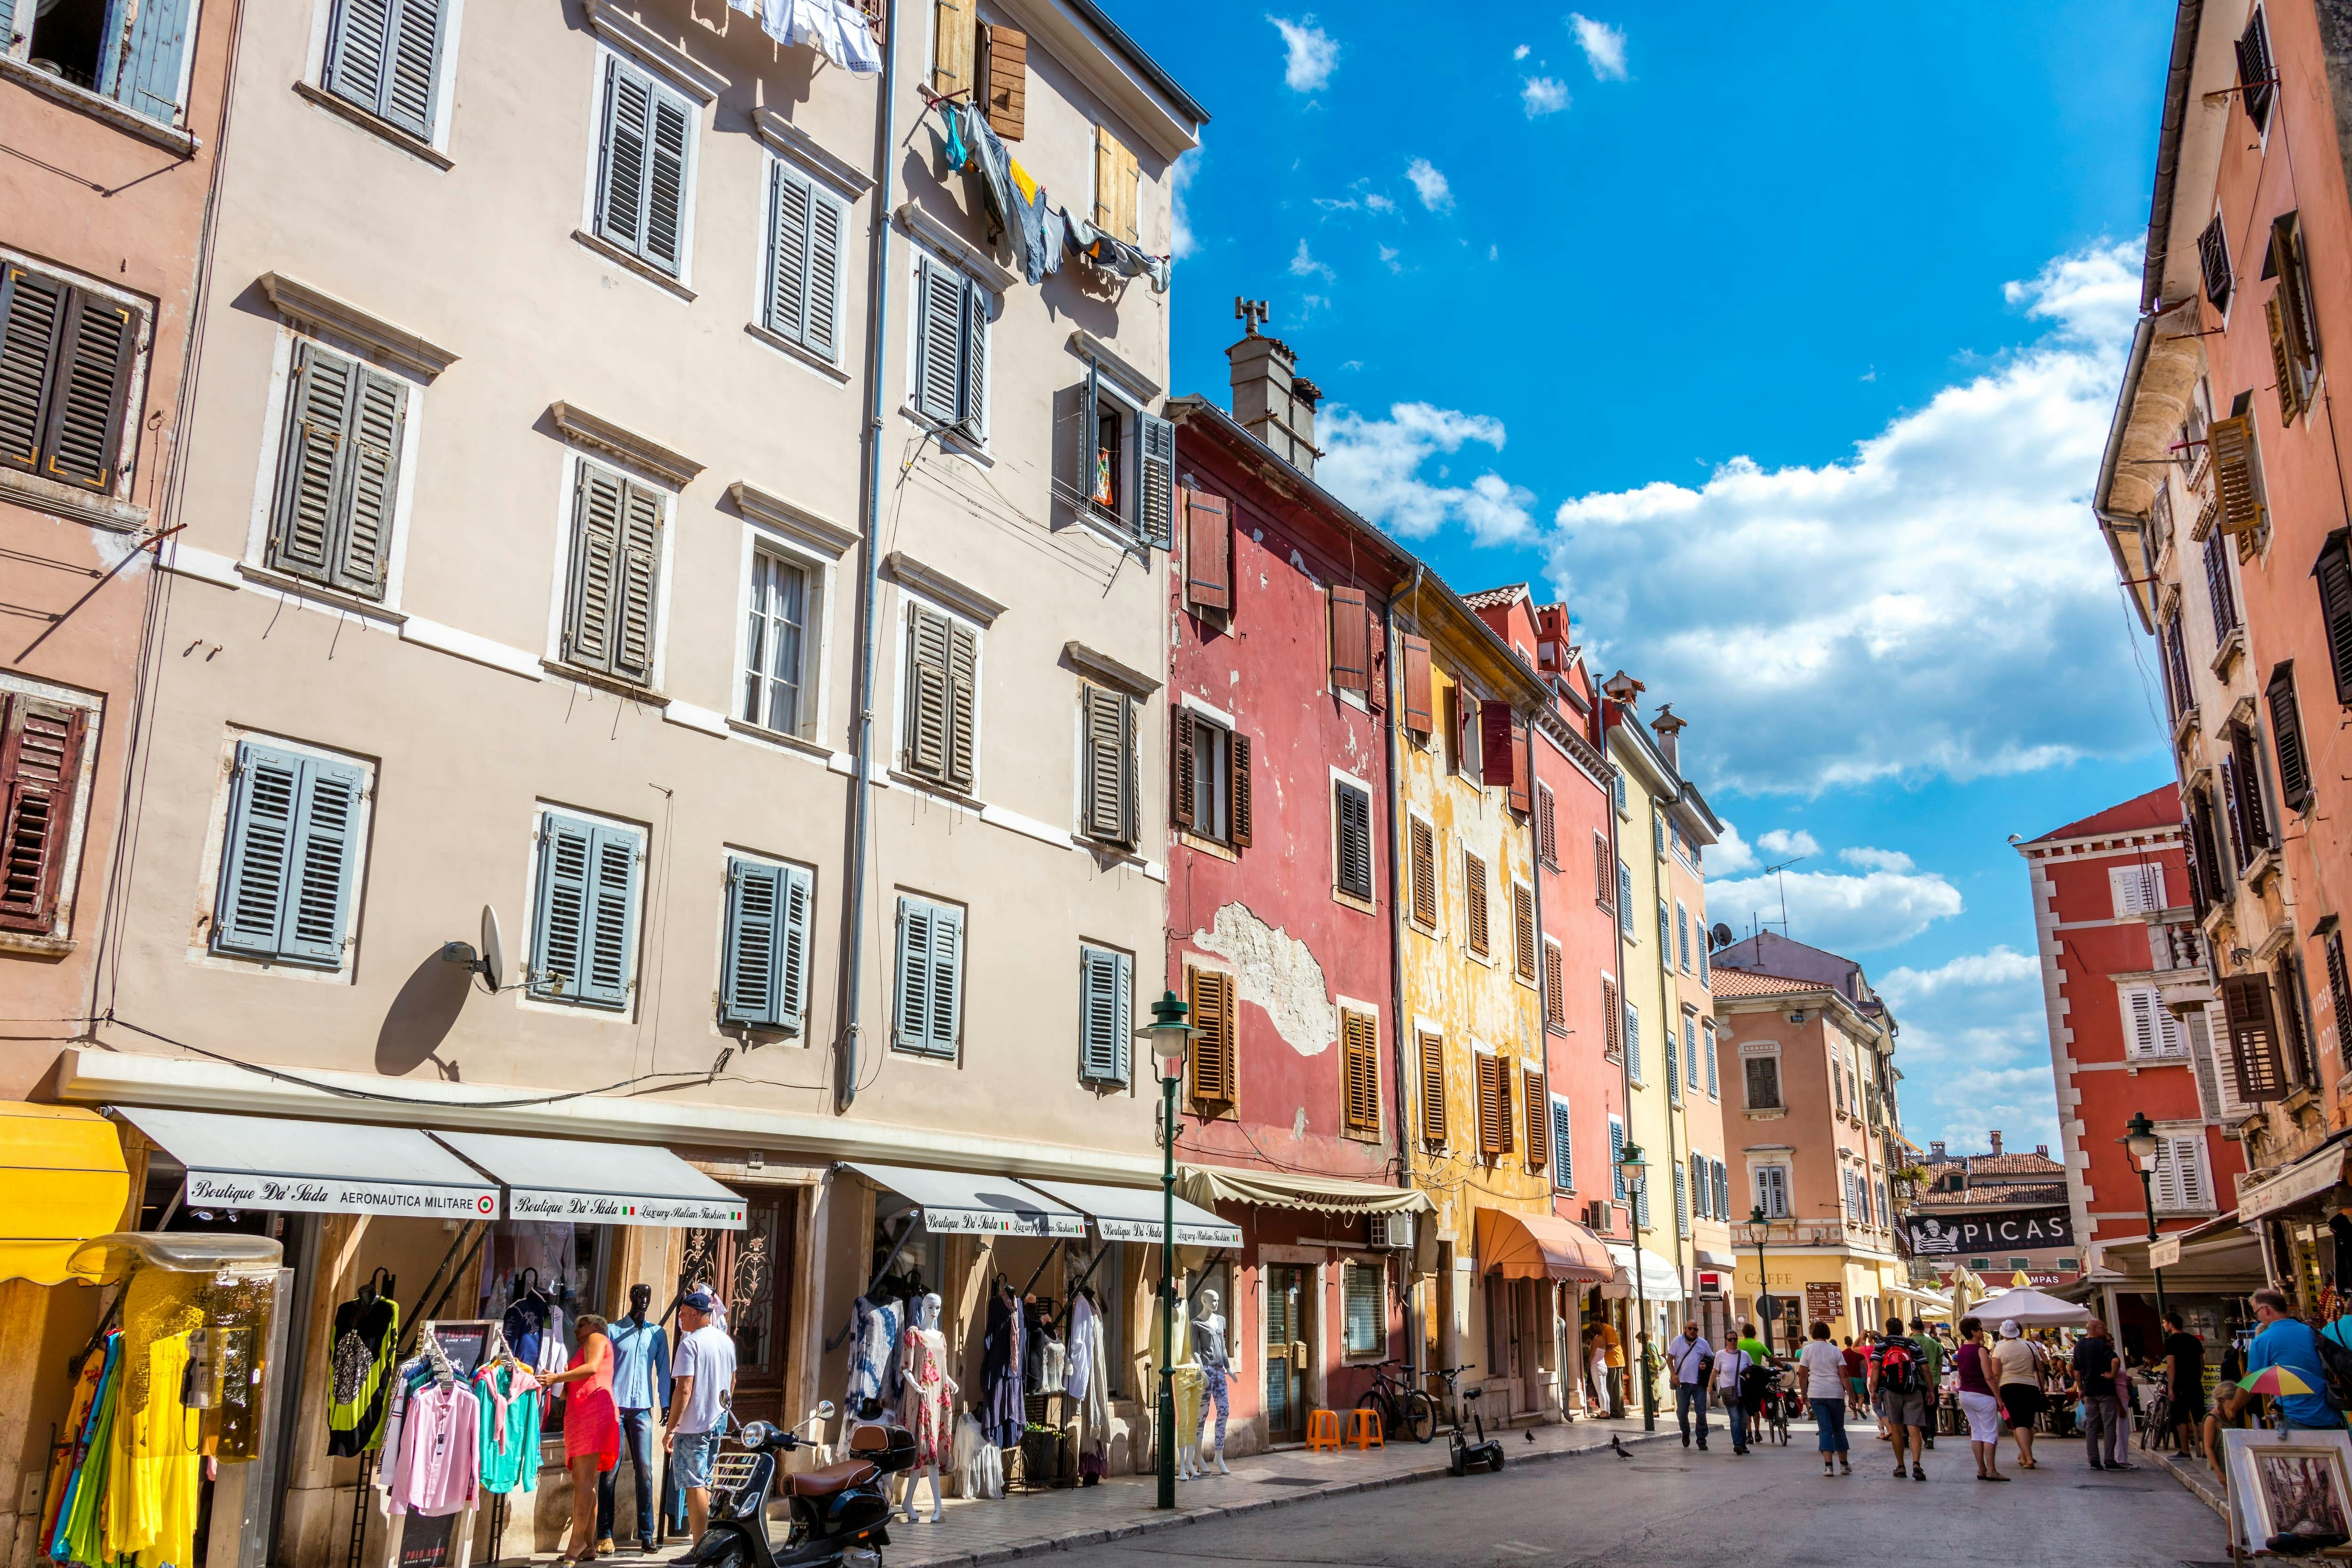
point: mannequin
(927, 1404)
(641, 1383)
(1209, 1350)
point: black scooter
(1464, 1455)
(838, 1512)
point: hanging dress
(925, 1406)
(1003, 1411)
(75, 1537)
(366, 1335)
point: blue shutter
(1563, 1148)
(1616, 1156)
(1704, 977)
(1682, 937)
(326, 847)
(1682, 1204)
(612, 917)
(559, 921)
(947, 978)
(1633, 1042)
(1713, 1086)
(258, 858)
(1723, 1189)
(1625, 897)
(1690, 1051)
(792, 949)
(143, 72)
(1665, 937)
(914, 1010)
(1673, 1063)
(1105, 979)
(748, 992)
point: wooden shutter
(1537, 1117)
(32, 322)
(1494, 1139)
(748, 989)
(309, 465)
(40, 770)
(2249, 779)
(1155, 453)
(2255, 75)
(1433, 1090)
(1674, 1067)
(141, 71)
(1352, 813)
(1116, 174)
(953, 46)
(927, 692)
(1239, 750)
(946, 1005)
(591, 634)
(81, 430)
(2333, 571)
(2254, 1050)
(1497, 761)
(1003, 80)
(1420, 711)
(792, 949)
(2286, 739)
(939, 342)
(1212, 1043)
(2294, 1042)
(2339, 995)
(1105, 983)
(647, 152)
(792, 197)
(1612, 1019)
(2231, 443)
(1713, 1086)
(614, 855)
(1633, 1041)
(560, 908)
(1208, 551)
(1547, 825)
(1360, 1045)
(416, 52)
(1352, 652)
(1109, 746)
(1523, 931)
(1093, 480)
(916, 934)
(2213, 262)
(1424, 873)
(1519, 799)
(1604, 873)
(326, 845)
(2283, 370)
(827, 237)
(1554, 987)
(1563, 1147)
(622, 164)
(371, 484)
(260, 854)
(1474, 887)
(2296, 304)
(964, 698)
(1181, 793)
(972, 385)
(1617, 1157)
(359, 51)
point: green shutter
(613, 853)
(913, 1015)
(560, 917)
(32, 317)
(1563, 1148)
(1156, 491)
(258, 856)
(747, 983)
(792, 952)
(1104, 981)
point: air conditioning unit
(1599, 1215)
(1393, 1231)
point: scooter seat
(831, 1479)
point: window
(1209, 561)
(950, 343)
(1722, 1190)
(2339, 993)
(2256, 75)
(1681, 1203)
(2137, 889)
(289, 853)
(1763, 1074)
(941, 697)
(2254, 1047)
(1980, 1262)
(801, 297)
(338, 472)
(1432, 1090)
(2069, 1262)
(1424, 873)
(2149, 1028)
(383, 56)
(1351, 815)
(2182, 1183)
(1633, 1041)
(1666, 935)
(1625, 899)
(1713, 1089)
(1495, 1099)
(1537, 1102)
(1681, 938)
(1613, 1021)
(583, 916)
(1617, 1156)
(1673, 1068)
(1547, 825)
(1699, 1191)
(1605, 864)
(1475, 931)
(1351, 639)
(1704, 978)
(1658, 833)
(764, 981)
(930, 1011)
(2242, 790)
(1617, 790)
(2293, 325)
(612, 594)
(1117, 182)
(1212, 766)
(131, 54)
(1127, 465)
(1555, 991)
(1772, 1191)
(780, 654)
(2286, 739)
(1563, 1147)
(2213, 259)
(2020, 1262)
(1360, 1048)
(1420, 709)
(43, 739)
(1364, 1291)
(2237, 483)
(643, 167)
(69, 356)
(1690, 1049)
(1108, 759)
(1211, 1062)
(1106, 1017)
(1523, 932)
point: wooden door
(751, 1271)
(1290, 1311)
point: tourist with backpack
(1898, 1385)
(2288, 1342)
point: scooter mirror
(824, 1410)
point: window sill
(940, 787)
(70, 501)
(415, 146)
(638, 264)
(785, 345)
(1361, 906)
(1361, 1134)
(952, 438)
(1112, 530)
(302, 587)
(643, 695)
(171, 137)
(35, 946)
(2227, 654)
(779, 737)
(1528, 981)
(946, 1058)
(1223, 851)
(1766, 1113)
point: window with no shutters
(2286, 739)
(780, 646)
(1360, 1048)
(1214, 1089)
(1211, 767)
(941, 697)
(1208, 552)
(1432, 1090)
(383, 56)
(1547, 825)
(929, 1017)
(1523, 932)
(1563, 1147)
(1110, 779)
(67, 353)
(1351, 812)
(2256, 74)
(1475, 931)
(2213, 260)
(806, 226)
(763, 977)
(1364, 1293)
(951, 317)
(585, 912)
(338, 472)
(1554, 995)
(1763, 1076)
(613, 596)
(1105, 1021)
(1424, 873)
(1537, 1100)
(1494, 1100)
(643, 165)
(41, 747)
(288, 857)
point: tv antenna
(1781, 881)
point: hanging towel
(835, 28)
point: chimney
(1995, 1140)
(1668, 727)
(1271, 400)
(2043, 1150)
(1935, 1149)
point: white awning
(954, 1204)
(1136, 1214)
(315, 1167)
(599, 1183)
(1660, 1279)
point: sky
(1783, 354)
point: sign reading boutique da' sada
(2012, 1230)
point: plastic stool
(1322, 1430)
(1364, 1429)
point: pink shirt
(439, 1465)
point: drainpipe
(878, 334)
(1674, 1090)
(1568, 1376)
(1634, 1361)
(1395, 638)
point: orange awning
(1540, 1246)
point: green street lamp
(1636, 1174)
(1170, 1038)
(1758, 1223)
(2139, 1138)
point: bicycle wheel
(1417, 1419)
(1373, 1399)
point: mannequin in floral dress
(927, 1406)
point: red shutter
(1420, 712)
(1241, 754)
(1522, 801)
(1499, 756)
(40, 759)
(1351, 640)
(1208, 551)
(1180, 796)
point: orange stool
(1322, 1430)
(1364, 1429)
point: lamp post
(2139, 1138)
(1756, 1223)
(1171, 1035)
(1636, 1169)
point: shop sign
(1824, 1303)
(337, 1195)
(1186, 1234)
(614, 1208)
(2019, 1230)
(1011, 1221)
(1710, 1284)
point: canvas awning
(2301, 1185)
(315, 1167)
(599, 1183)
(1661, 1282)
(955, 1203)
(1208, 1184)
(1139, 1214)
(62, 1180)
(2031, 1309)
(1540, 1246)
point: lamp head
(2140, 1136)
(1169, 1033)
(1755, 1216)
(1630, 1159)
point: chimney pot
(1936, 1148)
(2043, 1150)
(1995, 1140)
(1273, 401)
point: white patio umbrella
(2031, 1310)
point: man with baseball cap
(702, 1380)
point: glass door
(1288, 1308)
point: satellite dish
(492, 965)
(1721, 935)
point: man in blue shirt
(640, 1387)
(2285, 1341)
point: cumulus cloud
(1781, 844)
(1303, 265)
(1375, 466)
(1310, 54)
(1542, 95)
(1429, 184)
(1389, 257)
(1840, 590)
(1845, 913)
(1181, 243)
(1996, 966)
(1877, 860)
(1730, 854)
(1974, 1049)
(1377, 203)
(1603, 46)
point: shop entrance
(749, 1271)
(1290, 1311)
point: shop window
(1364, 1291)
(538, 1274)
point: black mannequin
(641, 1297)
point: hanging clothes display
(1002, 1413)
(873, 1353)
(924, 1408)
(978, 1466)
(366, 1337)
(72, 1533)
(438, 1469)
(837, 30)
(509, 1425)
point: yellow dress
(166, 1463)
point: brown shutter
(926, 693)
(1474, 884)
(2248, 778)
(1498, 760)
(1523, 930)
(1547, 825)
(1604, 873)
(1612, 1019)
(2335, 575)
(2281, 362)
(2294, 297)
(1005, 79)
(1490, 1105)
(2286, 739)
(32, 316)
(1420, 712)
(40, 762)
(589, 636)
(1352, 642)
(1521, 801)
(1504, 1104)
(1213, 1045)
(952, 46)
(1359, 1043)
(1208, 551)
(2231, 445)
(1554, 995)
(1241, 796)
(1424, 874)
(1108, 811)
(637, 589)
(2339, 996)
(85, 416)
(1433, 1090)
(964, 695)
(2295, 1043)
(2253, 1039)
(1537, 1114)
(1179, 795)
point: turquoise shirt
(514, 1462)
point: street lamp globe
(1631, 1160)
(2140, 1136)
(1169, 1033)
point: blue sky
(1782, 348)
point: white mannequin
(926, 1325)
(1209, 1350)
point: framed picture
(2290, 1492)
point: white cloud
(1839, 591)
(1781, 844)
(1542, 95)
(1310, 53)
(1603, 46)
(1179, 183)
(1375, 465)
(1847, 914)
(1974, 1048)
(1522, 52)
(1389, 257)
(1730, 854)
(1305, 265)
(1379, 204)
(1430, 185)
(1877, 860)
(1996, 966)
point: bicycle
(1405, 1412)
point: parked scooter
(838, 1512)
(1464, 1455)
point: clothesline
(1039, 231)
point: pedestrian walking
(592, 1428)
(2095, 1367)
(1730, 1363)
(2184, 1383)
(2289, 1343)
(2023, 1400)
(702, 1384)
(1755, 1381)
(1857, 1372)
(1612, 1361)
(1825, 1390)
(1691, 1358)
(1973, 1363)
(1934, 1356)
(1899, 1392)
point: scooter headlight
(756, 1434)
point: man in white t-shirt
(702, 1381)
(1691, 1357)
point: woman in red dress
(592, 1428)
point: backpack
(1898, 1367)
(2334, 1368)
(1754, 1380)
